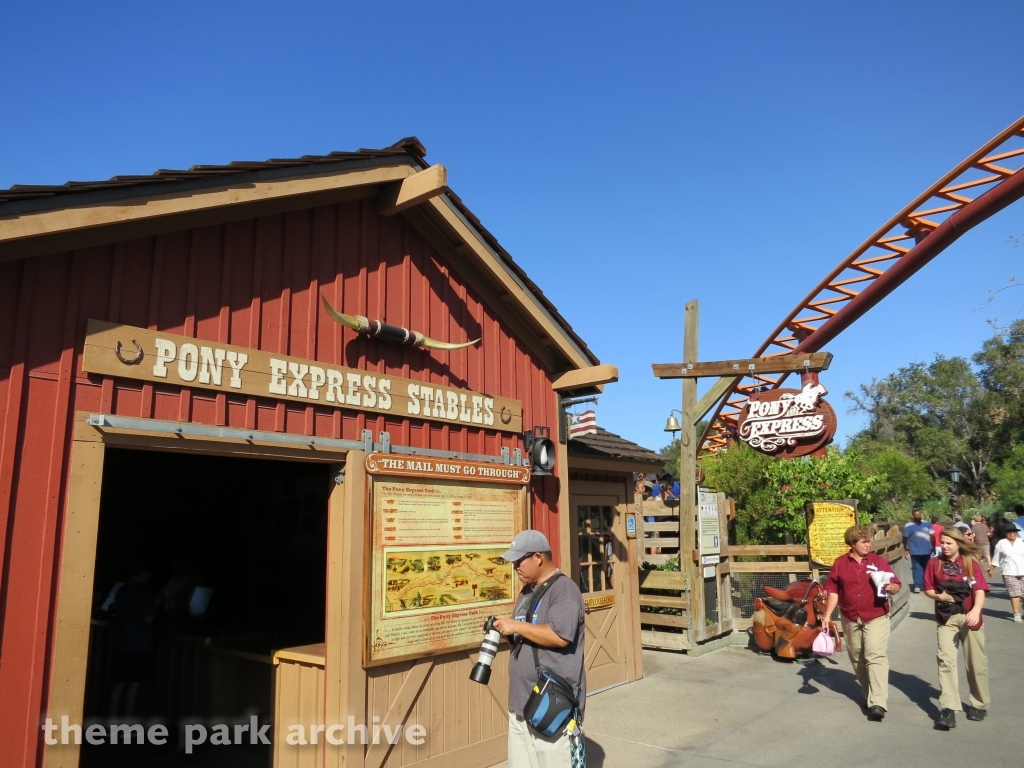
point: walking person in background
(865, 615)
(1009, 557)
(966, 530)
(981, 538)
(917, 544)
(954, 580)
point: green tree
(1001, 371)
(771, 493)
(906, 479)
(940, 414)
(1009, 480)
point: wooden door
(603, 573)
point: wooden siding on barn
(253, 283)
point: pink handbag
(824, 644)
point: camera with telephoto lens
(482, 669)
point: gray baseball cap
(526, 542)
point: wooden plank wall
(464, 720)
(298, 697)
(252, 283)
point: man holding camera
(555, 630)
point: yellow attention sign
(827, 522)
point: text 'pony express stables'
(788, 422)
(172, 359)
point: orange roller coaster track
(982, 185)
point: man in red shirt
(865, 615)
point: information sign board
(708, 523)
(436, 571)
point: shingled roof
(607, 444)
(409, 146)
(23, 198)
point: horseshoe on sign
(133, 361)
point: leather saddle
(785, 609)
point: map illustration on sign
(422, 580)
(436, 571)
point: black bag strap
(535, 599)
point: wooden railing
(741, 576)
(658, 532)
(792, 560)
(661, 628)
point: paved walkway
(735, 707)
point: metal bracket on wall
(101, 420)
(408, 450)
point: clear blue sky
(631, 156)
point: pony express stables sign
(788, 422)
(165, 358)
(438, 528)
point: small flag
(582, 424)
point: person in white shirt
(1009, 556)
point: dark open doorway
(221, 561)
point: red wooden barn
(115, 448)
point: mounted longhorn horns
(380, 330)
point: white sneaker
(1016, 618)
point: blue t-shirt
(1019, 522)
(673, 492)
(919, 537)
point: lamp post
(954, 478)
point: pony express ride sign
(788, 422)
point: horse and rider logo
(788, 422)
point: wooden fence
(740, 577)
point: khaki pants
(953, 633)
(866, 644)
(528, 750)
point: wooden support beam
(688, 477)
(413, 190)
(816, 361)
(713, 395)
(587, 377)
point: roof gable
(35, 220)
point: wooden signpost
(689, 371)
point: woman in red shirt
(955, 581)
(861, 583)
